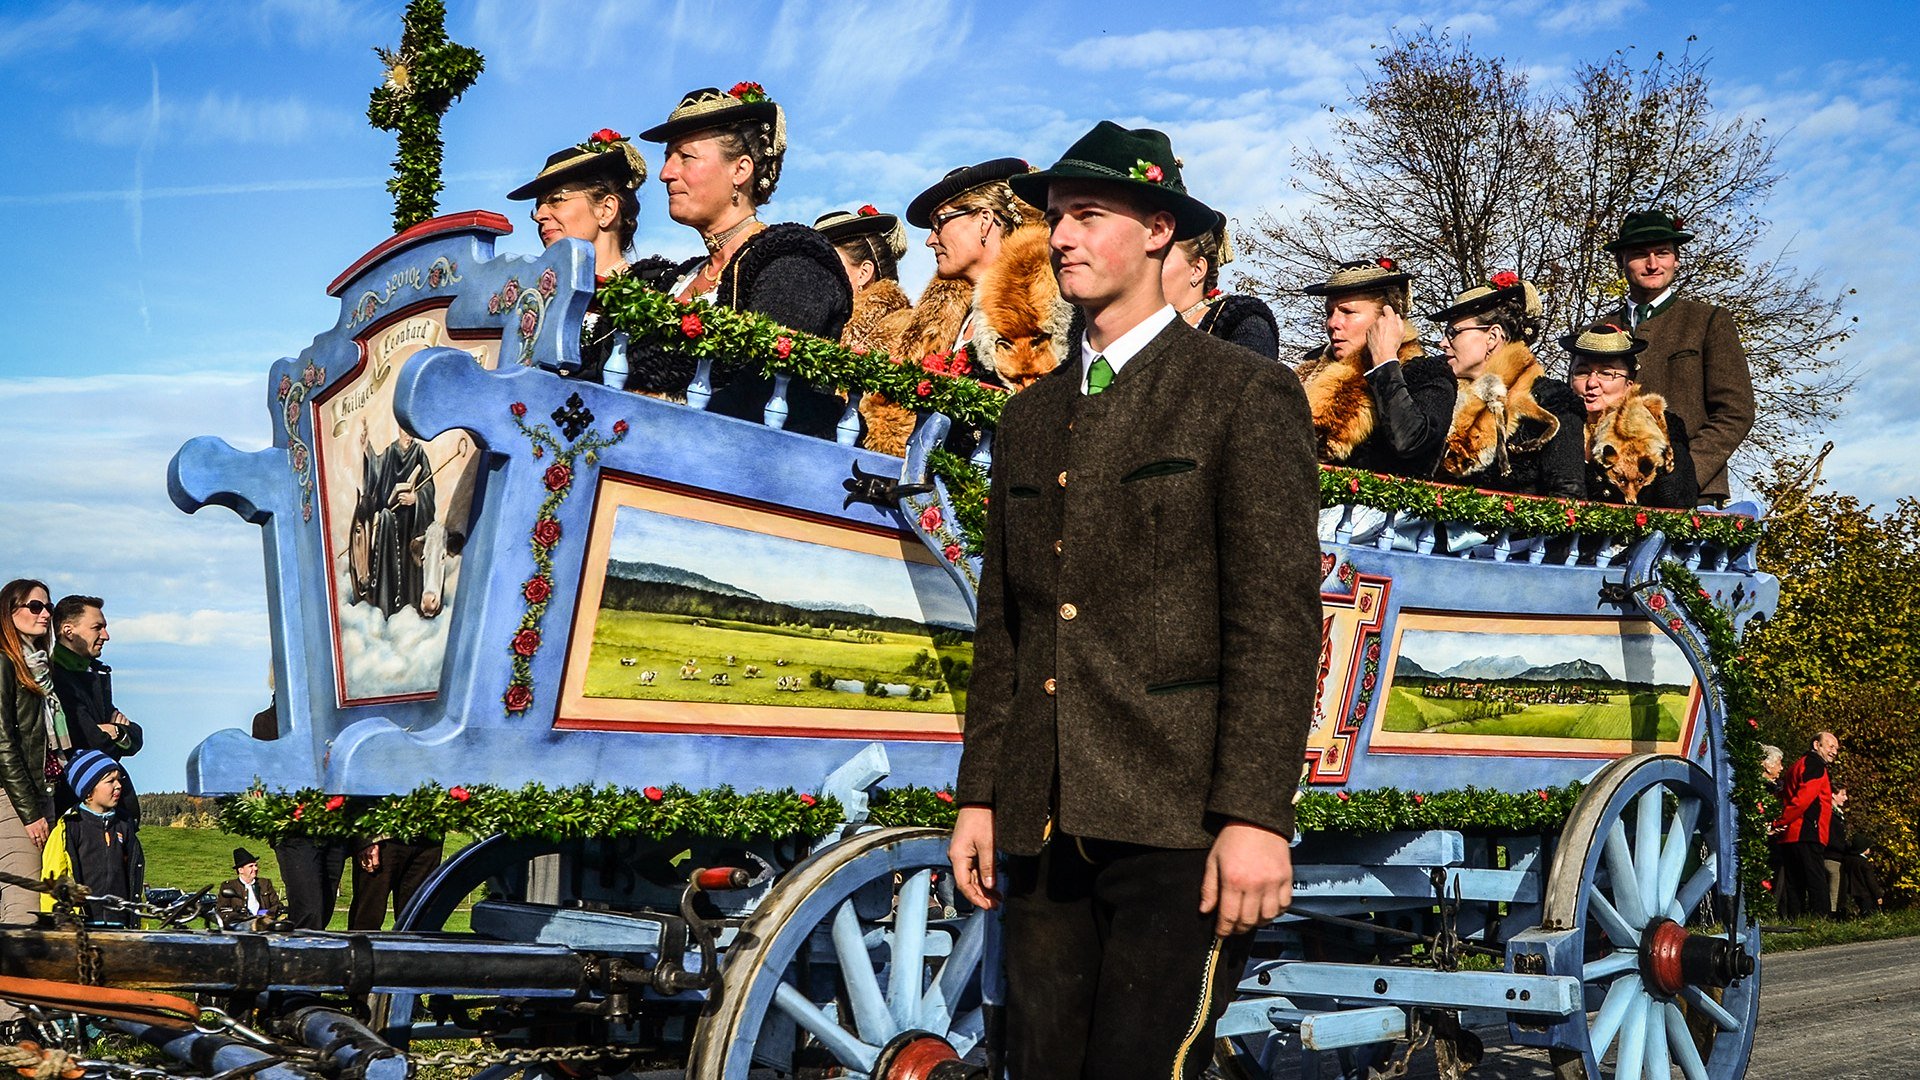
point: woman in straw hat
(1636, 448)
(590, 192)
(1191, 278)
(724, 151)
(1514, 429)
(1378, 403)
(870, 245)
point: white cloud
(1579, 16)
(201, 627)
(214, 118)
(388, 656)
(136, 26)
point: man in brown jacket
(1149, 611)
(1693, 357)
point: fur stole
(1629, 444)
(1020, 324)
(1488, 410)
(871, 306)
(1341, 401)
(908, 335)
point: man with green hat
(1148, 617)
(1693, 357)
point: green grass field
(189, 858)
(1624, 716)
(662, 643)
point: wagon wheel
(824, 976)
(1632, 868)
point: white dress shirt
(1126, 346)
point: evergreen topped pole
(424, 77)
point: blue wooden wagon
(480, 573)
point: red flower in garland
(1767, 884)
(619, 427)
(336, 802)
(944, 796)
(1418, 798)
(1505, 279)
(1695, 519)
(957, 363)
(653, 794)
(517, 698)
(1507, 505)
(546, 532)
(868, 211)
(783, 346)
(934, 362)
(930, 518)
(1353, 484)
(1752, 723)
(526, 642)
(1544, 797)
(1702, 592)
(1640, 519)
(1740, 525)
(1343, 796)
(1657, 602)
(1572, 515)
(518, 408)
(1439, 499)
(807, 800)
(299, 811)
(537, 589)
(924, 388)
(691, 325)
(558, 477)
(458, 793)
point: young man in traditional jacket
(1149, 611)
(1693, 357)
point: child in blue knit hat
(96, 845)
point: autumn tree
(1459, 165)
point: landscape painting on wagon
(1577, 686)
(704, 614)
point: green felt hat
(1140, 160)
(1649, 227)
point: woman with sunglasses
(33, 744)
(1514, 428)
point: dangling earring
(736, 196)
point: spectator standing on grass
(1852, 882)
(29, 717)
(1807, 792)
(85, 689)
(94, 843)
(389, 867)
(310, 870)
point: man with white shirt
(247, 896)
(1149, 614)
(1693, 357)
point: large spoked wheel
(840, 968)
(1633, 869)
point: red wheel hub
(920, 1055)
(1662, 946)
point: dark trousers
(1805, 866)
(404, 867)
(1112, 972)
(310, 874)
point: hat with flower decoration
(1649, 227)
(1140, 160)
(842, 225)
(711, 107)
(958, 182)
(605, 155)
(1605, 342)
(1498, 289)
(1361, 275)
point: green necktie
(1643, 313)
(1099, 376)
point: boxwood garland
(1734, 676)
(583, 811)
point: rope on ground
(30, 1061)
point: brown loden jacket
(1149, 606)
(1695, 361)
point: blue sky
(181, 181)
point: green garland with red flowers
(545, 535)
(1733, 674)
